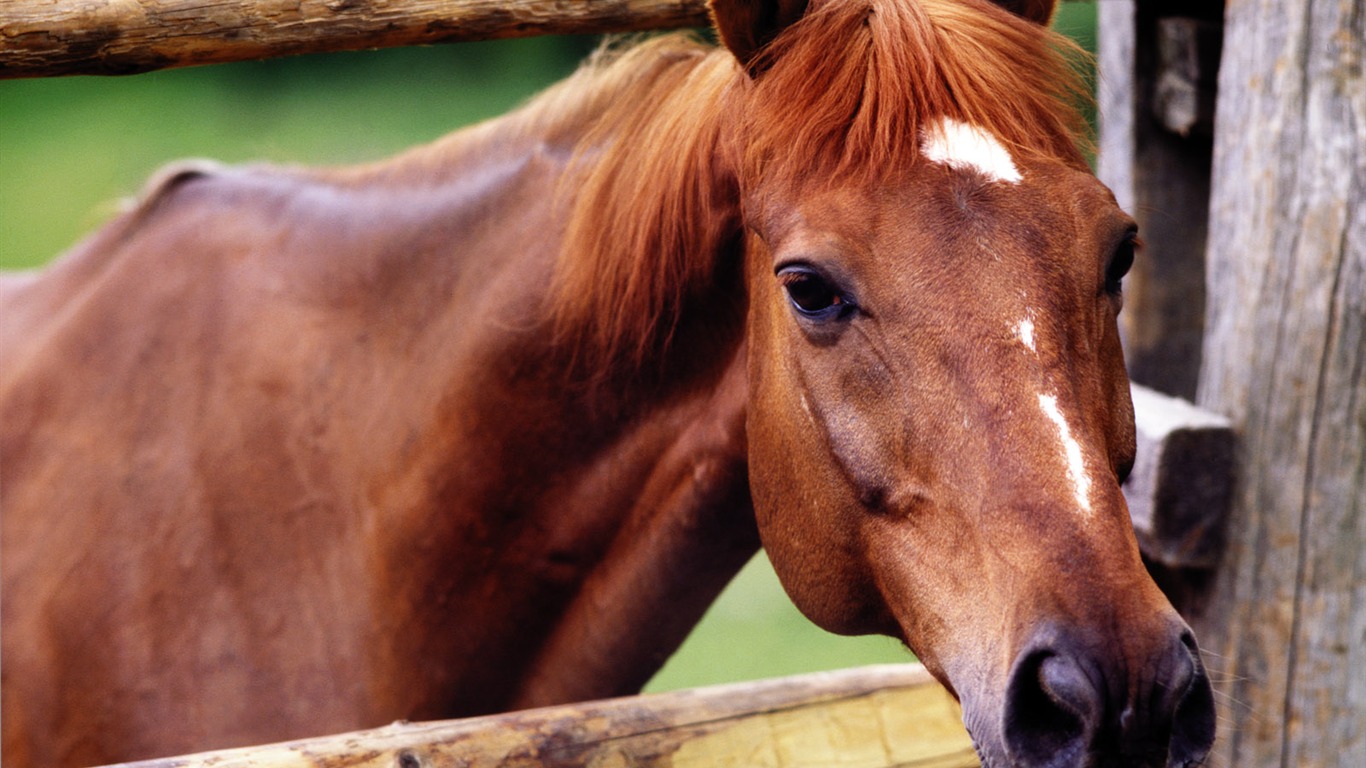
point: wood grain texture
(1285, 358)
(1181, 485)
(41, 38)
(869, 717)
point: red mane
(852, 83)
(653, 206)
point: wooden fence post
(1156, 67)
(1285, 359)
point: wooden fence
(1254, 215)
(871, 717)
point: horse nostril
(1067, 704)
(1193, 720)
(1050, 711)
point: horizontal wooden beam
(40, 38)
(1181, 486)
(868, 717)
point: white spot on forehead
(969, 148)
(1076, 467)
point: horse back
(195, 406)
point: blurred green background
(72, 148)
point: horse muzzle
(1070, 703)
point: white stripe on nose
(1024, 331)
(1076, 467)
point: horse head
(939, 415)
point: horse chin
(986, 734)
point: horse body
(331, 374)
(490, 424)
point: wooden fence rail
(40, 38)
(869, 717)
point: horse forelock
(850, 90)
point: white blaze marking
(1024, 330)
(967, 147)
(1076, 468)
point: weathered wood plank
(1181, 485)
(1285, 358)
(871, 717)
(41, 38)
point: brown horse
(489, 425)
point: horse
(489, 424)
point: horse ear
(1037, 11)
(746, 26)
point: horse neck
(601, 476)
(594, 427)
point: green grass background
(72, 148)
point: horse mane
(653, 209)
(852, 85)
(678, 129)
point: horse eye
(811, 294)
(1120, 262)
